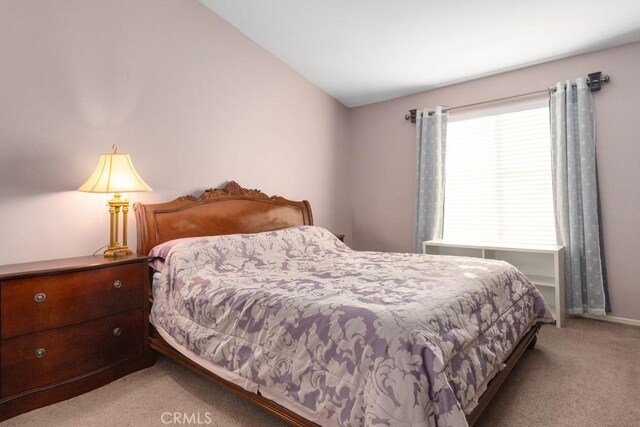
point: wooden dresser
(69, 326)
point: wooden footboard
(525, 342)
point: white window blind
(498, 177)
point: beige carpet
(587, 374)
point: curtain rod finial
(596, 79)
(411, 116)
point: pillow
(159, 253)
(307, 235)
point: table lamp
(115, 174)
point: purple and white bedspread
(354, 338)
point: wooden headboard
(227, 210)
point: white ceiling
(364, 51)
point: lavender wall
(382, 157)
(191, 99)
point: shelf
(539, 280)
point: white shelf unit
(542, 264)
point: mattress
(344, 337)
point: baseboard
(613, 319)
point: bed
(250, 294)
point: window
(498, 177)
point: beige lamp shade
(114, 174)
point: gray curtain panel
(431, 130)
(573, 152)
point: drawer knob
(40, 297)
(117, 284)
(117, 332)
(40, 353)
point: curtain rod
(594, 82)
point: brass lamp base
(115, 248)
(118, 251)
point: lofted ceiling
(361, 51)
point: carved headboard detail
(231, 189)
(228, 210)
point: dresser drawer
(38, 303)
(44, 358)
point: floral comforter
(355, 338)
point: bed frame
(233, 209)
